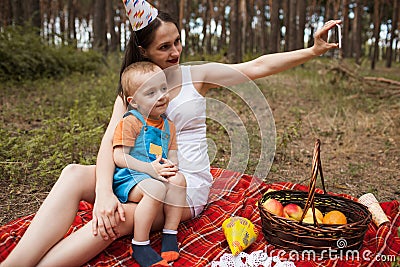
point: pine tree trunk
(211, 14)
(234, 38)
(206, 25)
(71, 20)
(377, 22)
(53, 18)
(114, 42)
(292, 31)
(195, 39)
(315, 12)
(301, 13)
(171, 7)
(99, 26)
(36, 17)
(222, 39)
(242, 28)
(336, 8)
(181, 13)
(395, 19)
(329, 13)
(286, 23)
(17, 14)
(357, 46)
(250, 33)
(63, 28)
(264, 37)
(346, 26)
(5, 13)
(275, 27)
(186, 26)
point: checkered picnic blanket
(202, 239)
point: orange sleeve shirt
(129, 128)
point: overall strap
(137, 114)
(166, 124)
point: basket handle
(315, 169)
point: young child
(145, 153)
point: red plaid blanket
(202, 240)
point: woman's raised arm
(106, 203)
(217, 74)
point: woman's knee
(78, 173)
(82, 175)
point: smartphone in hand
(335, 35)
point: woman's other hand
(107, 213)
(321, 44)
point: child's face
(151, 98)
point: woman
(43, 243)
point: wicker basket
(318, 238)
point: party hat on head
(140, 13)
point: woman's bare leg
(55, 216)
(62, 201)
(82, 245)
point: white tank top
(188, 112)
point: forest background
(237, 27)
(59, 65)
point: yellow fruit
(310, 220)
(334, 217)
(318, 214)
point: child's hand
(162, 168)
(172, 167)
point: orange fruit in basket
(334, 217)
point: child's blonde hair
(129, 85)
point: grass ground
(49, 123)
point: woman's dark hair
(143, 37)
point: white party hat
(140, 13)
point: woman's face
(166, 48)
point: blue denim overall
(125, 179)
